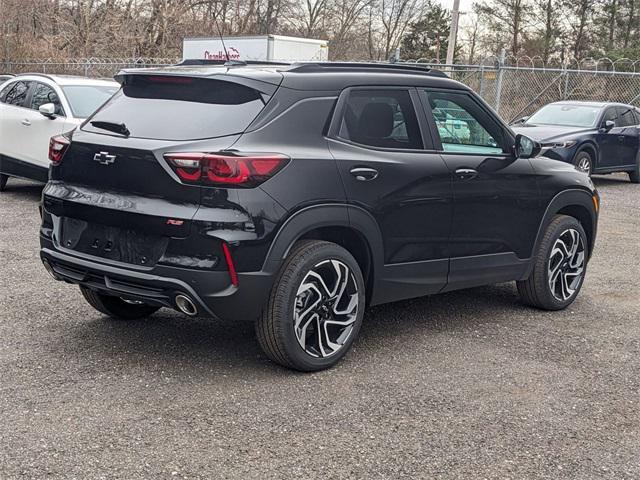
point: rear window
(180, 108)
(85, 99)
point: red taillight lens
(226, 169)
(58, 146)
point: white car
(34, 108)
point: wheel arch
(591, 147)
(576, 203)
(351, 227)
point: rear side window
(381, 118)
(17, 94)
(180, 108)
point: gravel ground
(464, 385)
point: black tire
(536, 290)
(117, 308)
(582, 158)
(634, 176)
(3, 181)
(276, 330)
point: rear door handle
(621, 138)
(26, 123)
(466, 173)
(364, 174)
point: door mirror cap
(608, 125)
(526, 147)
(48, 110)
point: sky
(465, 5)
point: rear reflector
(58, 146)
(233, 275)
(226, 169)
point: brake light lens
(226, 169)
(58, 146)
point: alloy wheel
(584, 164)
(326, 308)
(566, 265)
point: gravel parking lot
(469, 384)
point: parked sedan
(596, 137)
(33, 108)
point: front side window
(610, 115)
(43, 94)
(381, 118)
(17, 95)
(463, 126)
(626, 117)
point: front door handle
(26, 123)
(621, 138)
(364, 174)
(466, 173)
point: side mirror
(608, 125)
(526, 147)
(48, 110)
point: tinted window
(381, 118)
(86, 99)
(610, 115)
(626, 117)
(17, 94)
(180, 108)
(464, 126)
(43, 94)
(4, 91)
(566, 114)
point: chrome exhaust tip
(50, 270)
(186, 305)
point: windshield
(85, 99)
(565, 115)
(179, 108)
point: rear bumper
(211, 291)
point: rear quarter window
(180, 108)
(15, 94)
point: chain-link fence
(87, 67)
(514, 87)
(518, 91)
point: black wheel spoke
(566, 265)
(326, 308)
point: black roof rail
(229, 63)
(386, 67)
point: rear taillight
(226, 169)
(58, 146)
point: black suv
(299, 194)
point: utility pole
(453, 33)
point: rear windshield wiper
(120, 128)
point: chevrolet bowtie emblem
(104, 158)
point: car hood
(543, 133)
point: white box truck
(258, 48)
